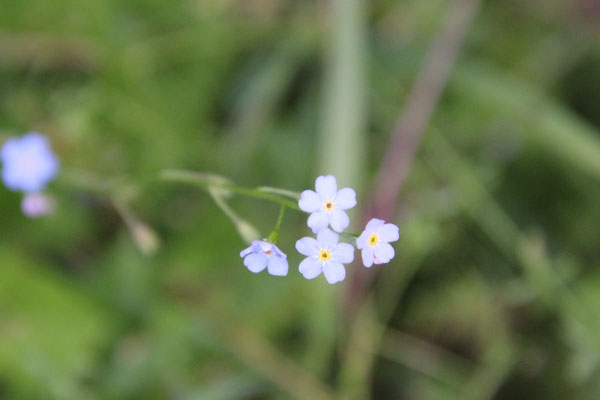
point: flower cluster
(28, 165)
(328, 219)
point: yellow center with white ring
(324, 255)
(373, 239)
(328, 205)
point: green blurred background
(495, 289)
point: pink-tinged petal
(374, 224)
(327, 239)
(367, 256)
(277, 266)
(389, 233)
(35, 205)
(343, 253)
(345, 198)
(334, 272)
(326, 187)
(310, 268)
(308, 247)
(361, 241)
(310, 201)
(339, 220)
(383, 252)
(318, 221)
(256, 262)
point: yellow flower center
(324, 255)
(328, 206)
(373, 240)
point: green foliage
(134, 288)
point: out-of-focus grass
(494, 289)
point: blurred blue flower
(325, 255)
(28, 163)
(261, 255)
(374, 242)
(327, 204)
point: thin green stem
(207, 180)
(274, 236)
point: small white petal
(326, 187)
(278, 266)
(361, 241)
(383, 252)
(327, 239)
(307, 246)
(318, 221)
(374, 224)
(334, 272)
(345, 198)
(343, 253)
(389, 233)
(367, 256)
(256, 262)
(310, 268)
(310, 201)
(339, 220)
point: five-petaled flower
(325, 255)
(327, 204)
(28, 163)
(262, 254)
(374, 242)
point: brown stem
(411, 124)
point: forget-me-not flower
(374, 242)
(262, 254)
(325, 255)
(327, 204)
(28, 163)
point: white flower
(325, 255)
(327, 204)
(374, 242)
(261, 255)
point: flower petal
(367, 256)
(310, 201)
(256, 262)
(343, 253)
(389, 233)
(383, 252)
(374, 224)
(318, 221)
(361, 241)
(279, 252)
(307, 246)
(327, 239)
(345, 198)
(339, 220)
(310, 268)
(278, 266)
(252, 249)
(326, 187)
(334, 272)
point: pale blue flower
(325, 255)
(28, 163)
(261, 255)
(374, 242)
(327, 204)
